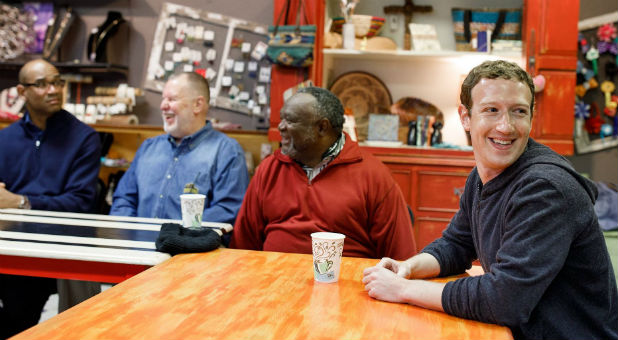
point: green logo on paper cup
(322, 266)
(197, 221)
(327, 251)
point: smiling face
(298, 128)
(181, 108)
(499, 122)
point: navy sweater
(547, 270)
(56, 168)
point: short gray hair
(195, 82)
(327, 105)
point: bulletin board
(228, 52)
(596, 122)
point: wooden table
(79, 246)
(241, 294)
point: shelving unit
(403, 54)
(72, 66)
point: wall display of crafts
(596, 122)
(227, 51)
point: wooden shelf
(86, 67)
(596, 145)
(403, 54)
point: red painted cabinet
(431, 180)
(550, 35)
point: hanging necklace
(98, 39)
(54, 44)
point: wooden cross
(407, 11)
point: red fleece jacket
(354, 195)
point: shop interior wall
(600, 165)
(132, 44)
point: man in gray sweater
(529, 218)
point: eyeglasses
(43, 84)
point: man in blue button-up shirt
(191, 152)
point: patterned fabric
(485, 19)
(291, 45)
(327, 157)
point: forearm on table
(424, 294)
(423, 266)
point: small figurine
(436, 136)
(412, 132)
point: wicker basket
(364, 25)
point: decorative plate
(363, 93)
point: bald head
(41, 86)
(34, 69)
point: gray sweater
(547, 270)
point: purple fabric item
(607, 46)
(43, 12)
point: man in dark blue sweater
(49, 160)
(528, 217)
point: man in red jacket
(320, 180)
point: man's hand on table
(395, 281)
(8, 199)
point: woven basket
(364, 25)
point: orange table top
(241, 294)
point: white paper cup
(192, 207)
(327, 252)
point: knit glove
(176, 239)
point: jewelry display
(15, 32)
(109, 105)
(52, 45)
(49, 31)
(97, 42)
